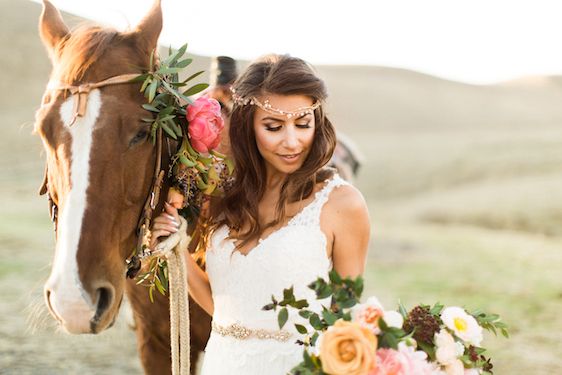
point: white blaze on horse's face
(72, 305)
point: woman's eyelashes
(273, 128)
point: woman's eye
(304, 126)
(272, 128)
(139, 137)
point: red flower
(205, 124)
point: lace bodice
(294, 255)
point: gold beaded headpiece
(266, 106)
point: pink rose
(389, 362)
(205, 124)
(414, 361)
(404, 361)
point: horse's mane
(80, 49)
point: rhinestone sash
(242, 333)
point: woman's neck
(274, 179)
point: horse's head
(99, 165)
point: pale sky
(474, 41)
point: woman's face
(284, 143)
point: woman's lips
(290, 158)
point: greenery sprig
(201, 174)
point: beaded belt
(240, 332)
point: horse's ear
(149, 28)
(51, 27)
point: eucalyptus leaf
(282, 317)
(175, 127)
(168, 131)
(335, 277)
(314, 338)
(167, 70)
(145, 84)
(151, 293)
(167, 111)
(159, 286)
(195, 89)
(140, 78)
(187, 162)
(183, 63)
(315, 322)
(150, 108)
(301, 329)
(166, 118)
(152, 90)
(193, 76)
(329, 317)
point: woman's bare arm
(348, 215)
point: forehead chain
(266, 106)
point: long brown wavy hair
(280, 75)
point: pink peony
(389, 362)
(414, 361)
(205, 124)
(404, 361)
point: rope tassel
(172, 248)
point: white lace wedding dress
(241, 285)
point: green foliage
(491, 322)
(167, 105)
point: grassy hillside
(463, 184)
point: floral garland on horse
(197, 170)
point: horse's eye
(139, 137)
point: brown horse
(99, 173)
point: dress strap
(310, 215)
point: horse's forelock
(80, 49)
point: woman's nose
(291, 139)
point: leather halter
(80, 104)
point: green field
(463, 182)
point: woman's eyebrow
(272, 119)
(280, 120)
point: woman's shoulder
(346, 215)
(347, 198)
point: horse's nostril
(50, 306)
(105, 295)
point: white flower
(471, 371)
(374, 301)
(393, 319)
(455, 368)
(448, 350)
(463, 325)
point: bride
(285, 220)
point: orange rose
(348, 349)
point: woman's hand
(165, 224)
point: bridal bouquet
(352, 338)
